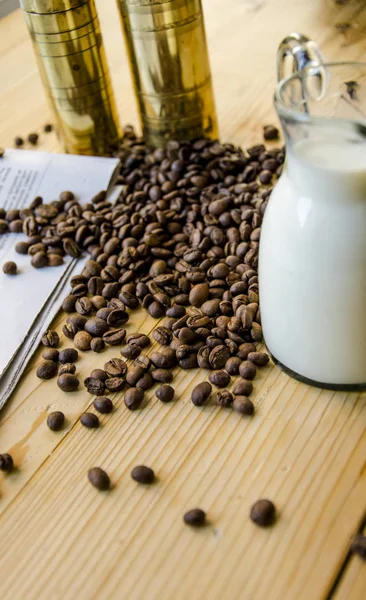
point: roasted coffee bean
(99, 374)
(133, 398)
(134, 374)
(77, 320)
(103, 405)
(18, 141)
(10, 268)
(358, 545)
(82, 340)
(46, 369)
(245, 349)
(56, 420)
(162, 361)
(39, 260)
(232, 365)
(195, 517)
(83, 306)
(6, 463)
(117, 317)
(165, 393)
(219, 378)
(69, 330)
(115, 337)
(50, 354)
(131, 351)
(115, 384)
(129, 300)
(33, 138)
(95, 386)
(162, 375)
(243, 388)
(50, 338)
(270, 132)
(68, 382)
(199, 294)
(146, 382)
(186, 335)
(142, 361)
(201, 393)
(67, 368)
(68, 355)
(71, 248)
(21, 247)
(96, 327)
(247, 370)
(89, 420)
(224, 398)
(99, 479)
(98, 302)
(116, 367)
(48, 128)
(162, 335)
(258, 358)
(54, 260)
(143, 474)
(4, 227)
(190, 362)
(97, 344)
(218, 357)
(263, 513)
(176, 311)
(243, 405)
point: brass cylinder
(70, 54)
(168, 55)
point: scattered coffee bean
(97, 345)
(99, 374)
(18, 141)
(103, 405)
(39, 260)
(146, 382)
(47, 128)
(50, 354)
(46, 369)
(82, 340)
(96, 327)
(67, 368)
(133, 398)
(131, 351)
(195, 517)
(219, 378)
(243, 388)
(258, 358)
(358, 545)
(165, 393)
(10, 268)
(68, 355)
(6, 463)
(247, 370)
(143, 474)
(224, 398)
(232, 365)
(116, 367)
(270, 132)
(99, 478)
(95, 386)
(138, 339)
(21, 247)
(115, 384)
(243, 405)
(68, 382)
(201, 393)
(33, 138)
(263, 513)
(162, 375)
(134, 374)
(89, 420)
(115, 337)
(50, 338)
(56, 420)
(162, 335)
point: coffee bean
(199, 294)
(67, 368)
(21, 247)
(162, 375)
(68, 355)
(201, 393)
(33, 138)
(243, 405)
(218, 357)
(54, 260)
(48, 128)
(97, 344)
(56, 420)
(95, 386)
(245, 349)
(10, 268)
(219, 378)
(258, 358)
(133, 398)
(165, 393)
(195, 517)
(99, 478)
(6, 463)
(116, 367)
(263, 513)
(232, 365)
(82, 340)
(243, 388)
(103, 405)
(247, 370)
(50, 354)
(134, 374)
(39, 260)
(143, 474)
(176, 311)
(68, 382)
(270, 132)
(96, 327)
(115, 384)
(162, 335)
(224, 398)
(146, 382)
(99, 374)
(89, 420)
(50, 338)
(83, 306)
(358, 545)
(18, 141)
(131, 351)
(46, 369)
(115, 337)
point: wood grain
(305, 448)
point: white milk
(312, 264)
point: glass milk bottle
(312, 257)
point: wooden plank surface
(305, 448)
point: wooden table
(305, 448)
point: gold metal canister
(71, 59)
(167, 49)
